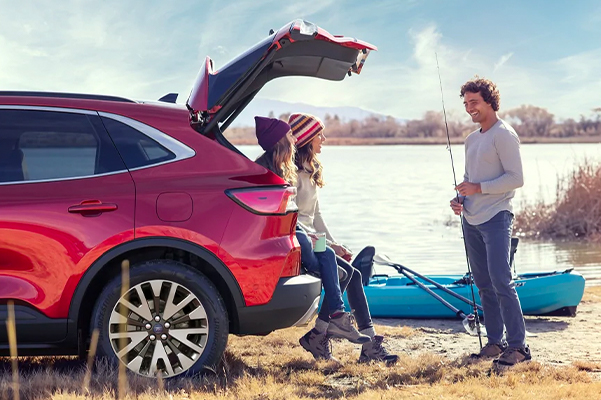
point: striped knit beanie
(305, 127)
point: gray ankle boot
(343, 326)
(375, 351)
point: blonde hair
(306, 156)
(280, 160)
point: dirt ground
(552, 340)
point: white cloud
(404, 88)
(578, 83)
(408, 87)
(504, 58)
(144, 49)
(114, 48)
(400, 89)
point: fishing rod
(402, 269)
(469, 269)
(469, 322)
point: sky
(543, 53)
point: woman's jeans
(353, 284)
(488, 247)
(323, 263)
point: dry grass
(275, 367)
(576, 213)
(587, 366)
(592, 294)
(295, 376)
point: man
(493, 170)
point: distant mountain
(264, 106)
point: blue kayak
(396, 296)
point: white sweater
(307, 200)
(493, 159)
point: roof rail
(66, 96)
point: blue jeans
(488, 246)
(323, 263)
(353, 285)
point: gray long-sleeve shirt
(492, 158)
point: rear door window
(38, 145)
(136, 148)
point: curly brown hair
(487, 89)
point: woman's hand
(313, 238)
(342, 251)
(349, 254)
(338, 249)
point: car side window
(136, 148)
(46, 145)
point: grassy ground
(275, 367)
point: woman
(275, 137)
(309, 133)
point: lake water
(396, 199)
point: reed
(90, 364)
(12, 342)
(575, 214)
(122, 388)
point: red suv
(91, 183)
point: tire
(187, 335)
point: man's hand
(468, 188)
(457, 206)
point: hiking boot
(375, 351)
(512, 356)
(491, 350)
(342, 326)
(317, 344)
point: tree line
(528, 121)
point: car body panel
(43, 245)
(276, 254)
(206, 180)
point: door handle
(92, 207)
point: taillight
(265, 200)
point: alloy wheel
(158, 327)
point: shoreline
(579, 335)
(346, 141)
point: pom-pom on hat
(305, 127)
(269, 131)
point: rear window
(136, 149)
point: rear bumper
(294, 302)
